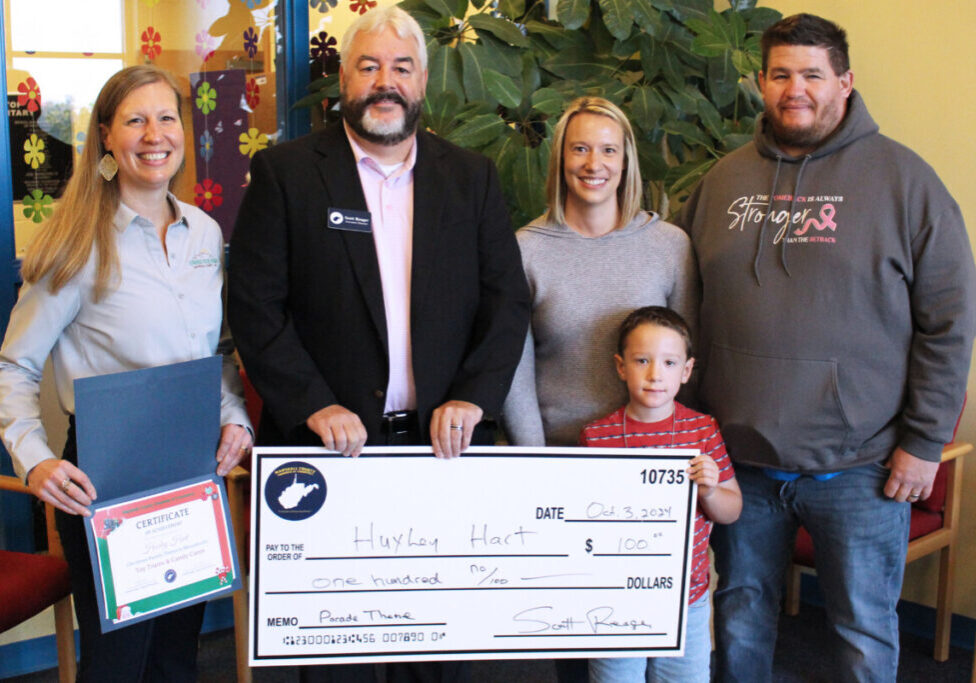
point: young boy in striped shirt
(654, 359)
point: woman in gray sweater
(591, 259)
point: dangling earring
(108, 167)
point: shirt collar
(361, 155)
(126, 216)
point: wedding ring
(913, 496)
(65, 484)
(457, 427)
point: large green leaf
(627, 49)
(735, 141)
(711, 119)
(683, 177)
(653, 165)
(444, 72)
(714, 36)
(761, 18)
(573, 13)
(690, 134)
(474, 63)
(529, 177)
(502, 56)
(512, 8)
(646, 15)
(548, 101)
(477, 131)
(723, 80)
(557, 36)
(618, 17)
(503, 88)
(441, 7)
(646, 107)
(650, 57)
(440, 110)
(419, 10)
(745, 63)
(685, 100)
(577, 64)
(500, 28)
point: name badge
(347, 219)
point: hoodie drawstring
(796, 191)
(769, 210)
(762, 228)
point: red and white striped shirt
(686, 428)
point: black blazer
(306, 302)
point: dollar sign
(589, 545)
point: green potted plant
(500, 74)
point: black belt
(400, 422)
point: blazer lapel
(427, 210)
(337, 169)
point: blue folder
(143, 429)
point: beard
(357, 114)
(809, 136)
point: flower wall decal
(37, 206)
(34, 147)
(30, 94)
(323, 46)
(205, 45)
(208, 194)
(206, 98)
(252, 93)
(150, 43)
(251, 42)
(206, 145)
(323, 5)
(362, 6)
(252, 142)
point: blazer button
(379, 393)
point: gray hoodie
(837, 320)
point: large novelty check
(502, 553)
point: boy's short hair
(654, 315)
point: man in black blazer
(314, 301)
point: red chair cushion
(936, 500)
(28, 584)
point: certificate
(502, 553)
(161, 550)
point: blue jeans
(692, 668)
(860, 538)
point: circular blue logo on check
(295, 491)
(170, 575)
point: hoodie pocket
(792, 406)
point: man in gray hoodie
(837, 319)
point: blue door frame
(15, 516)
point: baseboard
(40, 654)
(914, 618)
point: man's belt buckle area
(399, 422)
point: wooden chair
(934, 527)
(239, 501)
(32, 582)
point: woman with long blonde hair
(123, 277)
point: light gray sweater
(582, 288)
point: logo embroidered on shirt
(204, 259)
